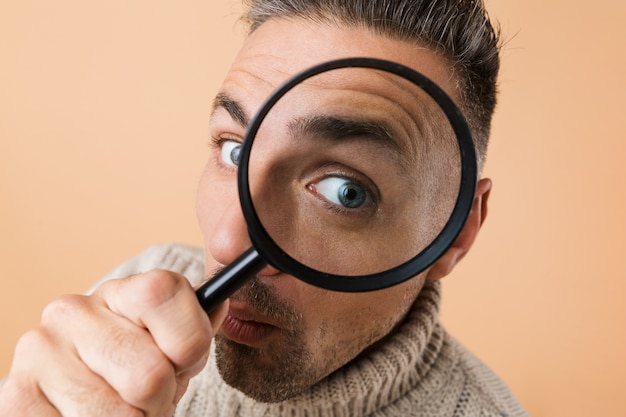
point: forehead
(281, 48)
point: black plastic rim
(275, 256)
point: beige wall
(103, 115)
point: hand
(127, 350)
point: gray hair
(460, 30)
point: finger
(217, 316)
(64, 381)
(123, 355)
(165, 303)
(21, 399)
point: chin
(264, 375)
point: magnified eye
(343, 192)
(231, 152)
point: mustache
(264, 299)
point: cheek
(209, 194)
(342, 325)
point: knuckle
(63, 309)
(32, 344)
(159, 286)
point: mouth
(245, 326)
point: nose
(230, 238)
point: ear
(462, 244)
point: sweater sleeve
(183, 259)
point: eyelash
(216, 144)
(337, 209)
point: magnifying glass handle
(230, 279)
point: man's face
(283, 335)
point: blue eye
(343, 192)
(231, 152)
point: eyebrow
(234, 109)
(332, 128)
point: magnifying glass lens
(354, 171)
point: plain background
(103, 129)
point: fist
(129, 349)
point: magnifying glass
(351, 185)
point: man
(142, 345)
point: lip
(246, 326)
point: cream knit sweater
(421, 371)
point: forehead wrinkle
(426, 116)
(243, 76)
(423, 100)
(412, 126)
(263, 67)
